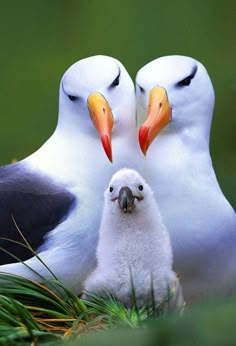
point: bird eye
(140, 187)
(111, 189)
(186, 81)
(142, 90)
(72, 98)
(115, 82)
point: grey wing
(32, 203)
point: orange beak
(102, 118)
(159, 115)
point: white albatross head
(97, 92)
(174, 94)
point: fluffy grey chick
(134, 249)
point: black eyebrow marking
(194, 71)
(62, 86)
(140, 88)
(76, 97)
(187, 80)
(116, 80)
(119, 71)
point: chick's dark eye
(140, 187)
(111, 189)
(72, 98)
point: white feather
(178, 166)
(133, 244)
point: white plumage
(178, 166)
(73, 159)
(132, 242)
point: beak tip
(143, 139)
(143, 149)
(144, 152)
(109, 154)
(106, 143)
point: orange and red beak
(102, 118)
(159, 115)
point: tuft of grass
(32, 312)
(18, 326)
(53, 301)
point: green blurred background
(40, 39)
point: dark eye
(111, 189)
(72, 98)
(141, 89)
(115, 82)
(140, 187)
(186, 81)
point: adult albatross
(54, 196)
(176, 95)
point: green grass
(207, 324)
(32, 312)
(48, 313)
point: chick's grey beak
(126, 199)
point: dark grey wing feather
(36, 204)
